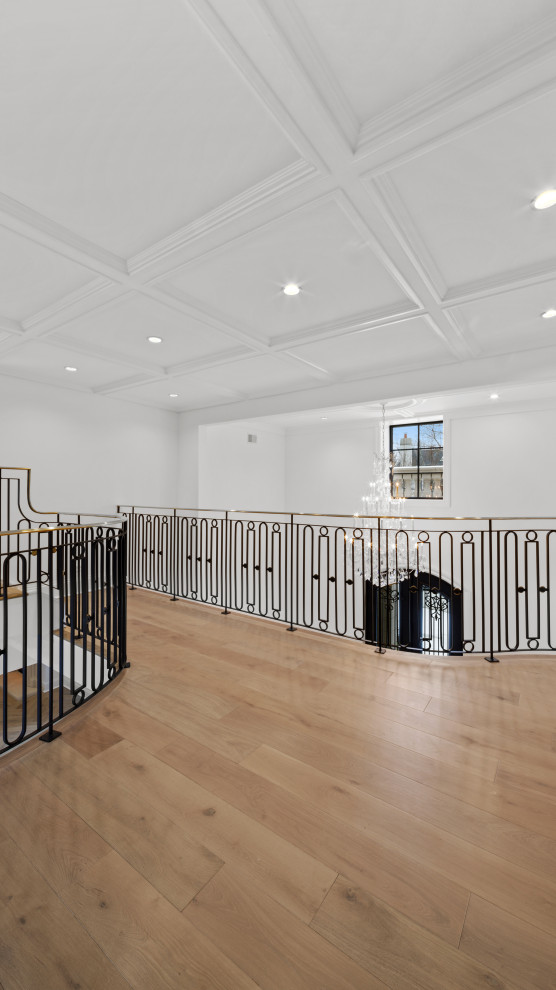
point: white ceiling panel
(386, 349)
(192, 393)
(512, 321)
(137, 120)
(124, 327)
(43, 362)
(317, 247)
(259, 375)
(383, 53)
(470, 199)
(32, 277)
(193, 156)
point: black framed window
(417, 458)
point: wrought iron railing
(441, 586)
(62, 610)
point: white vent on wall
(251, 438)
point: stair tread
(12, 591)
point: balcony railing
(439, 586)
(62, 610)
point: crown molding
(359, 323)
(499, 284)
(180, 301)
(222, 36)
(128, 382)
(44, 318)
(529, 47)
(275, 186)
(311, 66)
(104, 354)
(311, 369)
(38, 228)
(399, 221)
(210, 361)
(10, 326)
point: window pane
(429, 456)
(404, 437)
(431, 435)
(404, 457)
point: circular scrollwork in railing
(435, 602)
(468, 646)
(323, 626)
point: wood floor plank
(502, 744)
(66, 844)
(398, 952)
(531, 898)
(516, 950)
(42, 946)
(150, 942)
(138, 727)
(432, 802)
(321, 721)
(90, 737)
(175, 864)
(292, 877)
(438, 904)
(265, 723)
(268, 943)
(229, 742)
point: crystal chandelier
(389, 550)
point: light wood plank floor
(255, 808)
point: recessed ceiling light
(495, 395)
(154, 340)
(548, 314)
(324, 417)
(291, 289)
(69, 368)
(173, 395)
(545, 199)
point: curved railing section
(452, 586)
(62, 610)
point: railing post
(491, 658)
(122, 598)
(379, 648)
(132, 547)
(225, 566)
(174, 556)
(291, 627)
(51, 733)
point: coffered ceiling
(166, 168)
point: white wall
(188, 466)
(87, 452)
(328, 470)
(499, 463)
(240, 475)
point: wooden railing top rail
(334, 515)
